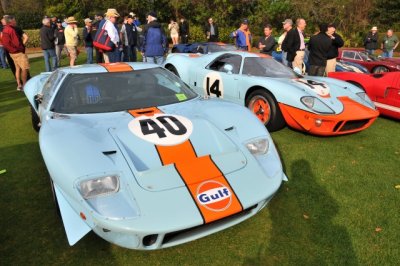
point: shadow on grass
(303, 231)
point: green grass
(340, 190)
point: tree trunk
(5, 5)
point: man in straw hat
(112, 30)
(71, 39)
(371, 41)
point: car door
(392, 93)
(220, 77)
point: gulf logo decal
(210, 190)
(162, 129)
(214, 196)
(318, 87)
(213, 86)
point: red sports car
(382, 88)
(372, 63)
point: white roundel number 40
(162, 129)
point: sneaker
(20, 89)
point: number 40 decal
(162, 129)
(149, 126)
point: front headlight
(101, 186)
(316, 105)
(258, 147)
(365, 98)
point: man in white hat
(71, 39)
(111, 28)
(371, 40)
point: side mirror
(38, 98)
(228, 68)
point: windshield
(119, 91)
(212, 48)
(266, 67)
(366, 57)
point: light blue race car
(276, 94)
(139, 158)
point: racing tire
(380, 69)
(264, 106)
(55, 201)
(35, 120)
(172, 69)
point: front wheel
(264, 106)
(380, 69)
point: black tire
(272, 118)
(55, 201)
(172, 69)
(380, 69)
(35, 120)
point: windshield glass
(119, 91)
(267, 67)
(366, 57)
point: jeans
(159, 60)
(130, 53)
(3, 57)
(59, 49)
(114, 56)
(284, 61)
(47, 54)
(89, 55)
(387, 53)
(370, 51)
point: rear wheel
(380, 69)
(172, 69)
(264, 106)
(35, 120)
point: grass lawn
(340, 206)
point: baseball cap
(245, 21)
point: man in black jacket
(337, 42)
(371, 41)
(267, 43)
(47, 44)
(129, 37)
(184, 30)
(295, 46)
(319, 46)
(59, 41)
(211, 31)
(88, 40)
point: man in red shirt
(14, 45)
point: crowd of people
(124, 41)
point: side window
(232, 59)
(50, 87)
(348, 54)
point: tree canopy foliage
(352, 17)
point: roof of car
(110, 67)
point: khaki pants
(298, 61)
(330, 65)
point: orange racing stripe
(209, 188)
(117, 67)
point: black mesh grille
(352, 125)
(170, 237)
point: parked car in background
(275, 93)
(373, 64)
(382, 88)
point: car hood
(92, 143)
